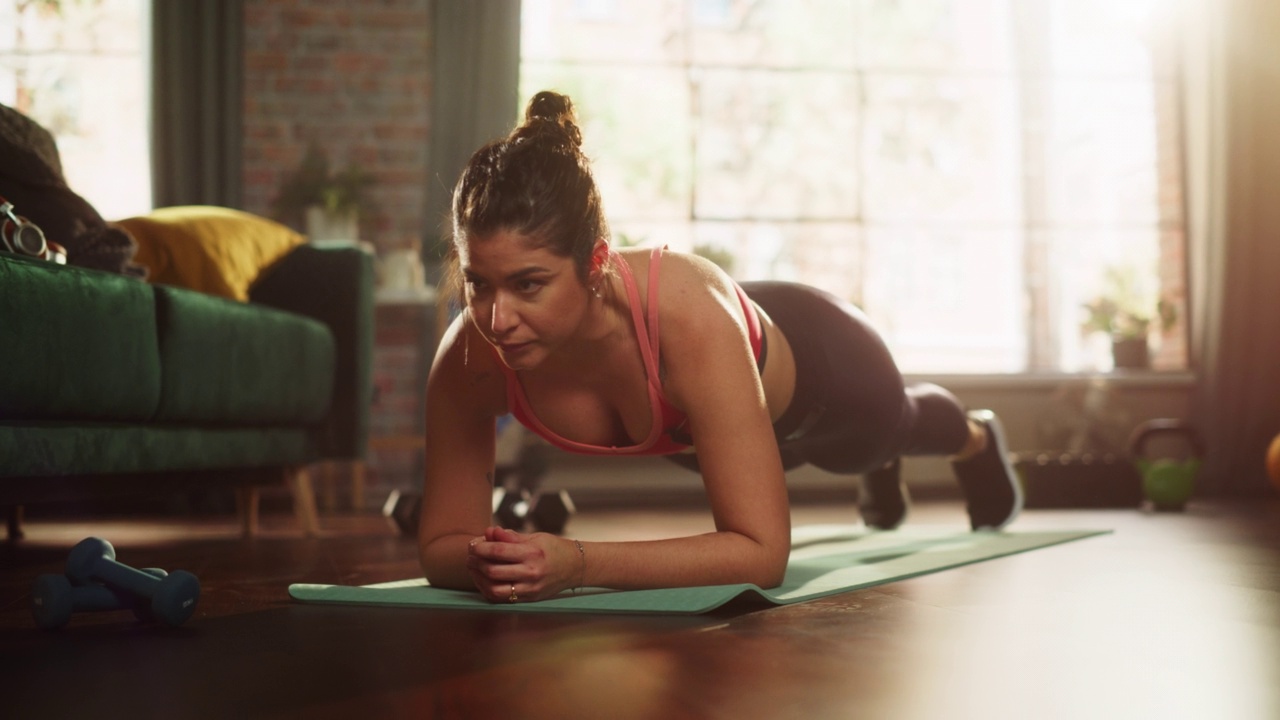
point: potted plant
(1126, 314)
(326, 203)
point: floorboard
(1172, 615)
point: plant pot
(1130, 353)
(324, 226)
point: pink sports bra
(667, 434)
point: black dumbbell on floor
(516, 509)
(402, 509)
(172, 598)
(54, 599)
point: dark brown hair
(536, 182)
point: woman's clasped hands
(509, 567)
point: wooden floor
(1171, 616)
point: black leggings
(851, 412)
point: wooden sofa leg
(304, 499)
(357, 485)
(247, 509)
(15, 523)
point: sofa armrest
(334, 285)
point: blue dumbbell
(172, 598)
(54, 598)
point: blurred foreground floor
(1170, 616)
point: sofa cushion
(75, 343)
(229, 362)
(214, 250)
(346, 307)
(105, 449)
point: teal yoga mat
(825, 560)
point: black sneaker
(883, 499)
(992, 493)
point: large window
(80, 69)
(971, 173)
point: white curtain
(1232, 82)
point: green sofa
(109, 385)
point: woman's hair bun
(551, 107)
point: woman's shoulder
(466, 367)
(692, 290)
(690, 275)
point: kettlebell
(1166, 482)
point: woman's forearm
(719, 558)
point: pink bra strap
(655, 260)
(647, 351)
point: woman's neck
(604, 328)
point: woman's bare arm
(464, 395)
(711, 374)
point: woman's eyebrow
(517, 275)
(526, 272)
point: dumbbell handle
(121, 576)
(94, 559)
(93, 597)
(1164, 426)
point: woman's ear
(596, 276)
(599, 255)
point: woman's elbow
(771, 570)
(439, 571)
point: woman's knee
(940, 424)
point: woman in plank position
(642, 352)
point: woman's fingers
(500, 545)
(501, 534)
(503, 558)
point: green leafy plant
(716, 254)
(1124, 310)
(314, 184)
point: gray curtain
(475, 96)
(196, 101)
(1232, 82)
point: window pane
(80, 70)
(948, 35)
(810, 34)
(969, 171)
(947, 299)
(1101, 153)
(595, 31)
(941, 148)
(776, 145)
(825, 255)
(1103, 38)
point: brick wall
(404, 336)
(354, 76)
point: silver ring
(514, 597)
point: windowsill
(1172, 379)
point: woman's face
(524, 299)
